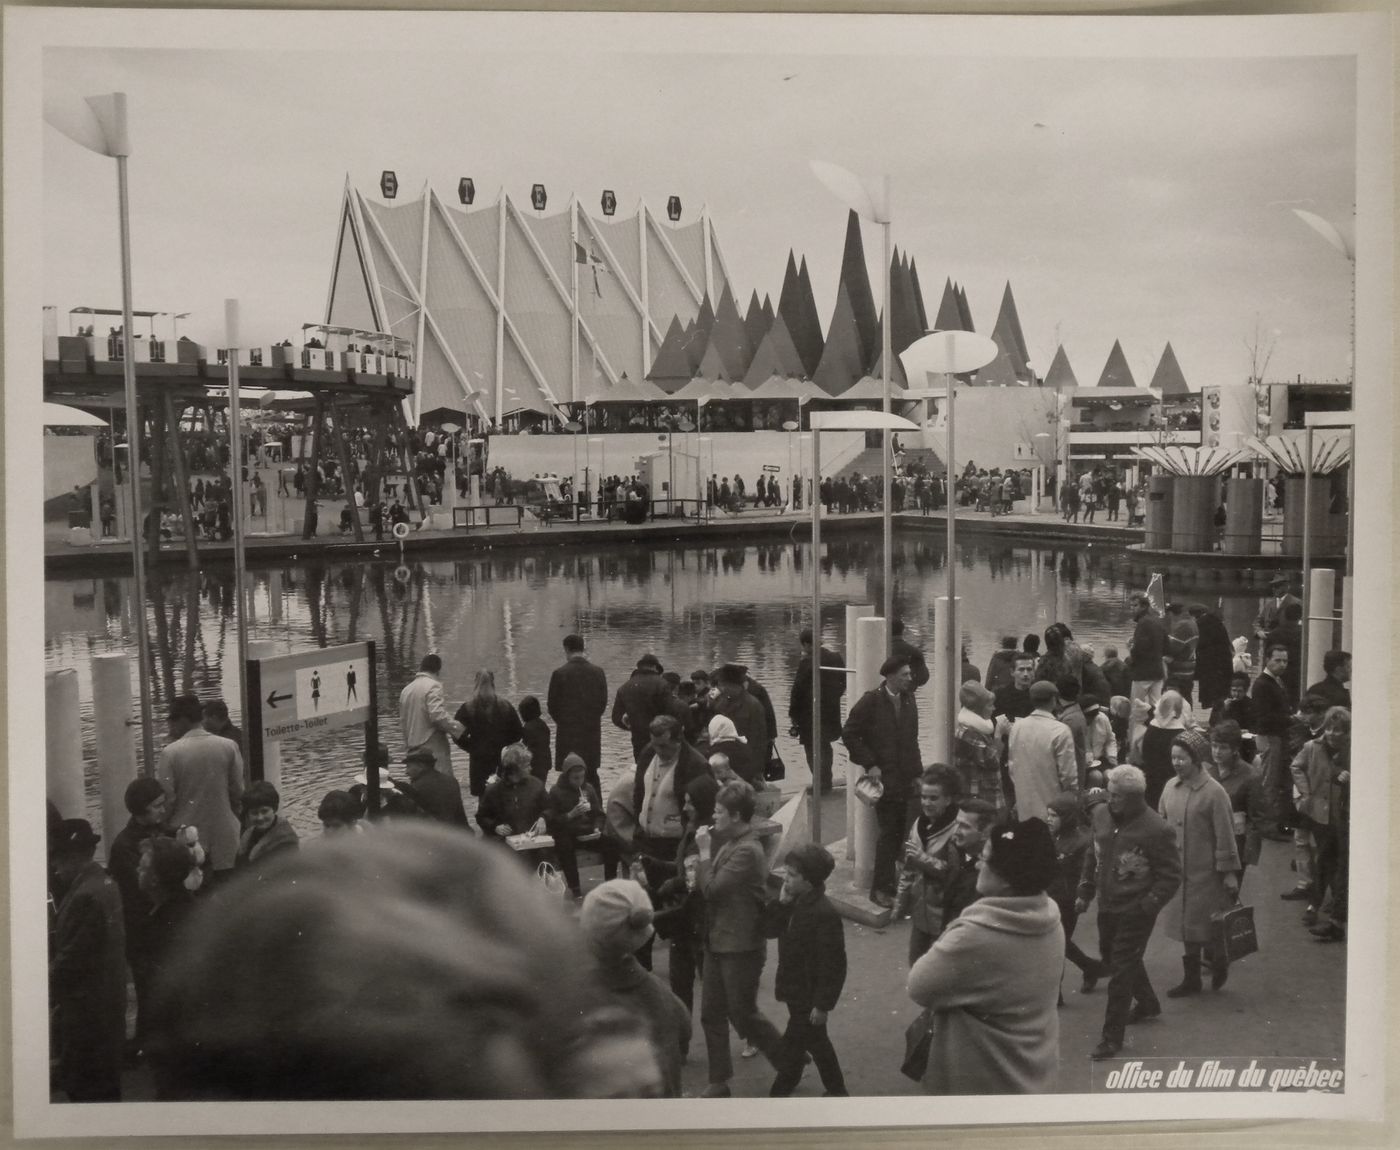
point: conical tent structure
(905, 327)
(1060, 375)
(918, 294)
(856, 280)
(755, 323)
(1007, 335)
(1001, 372)
(452, 279)
(949, 317)
(842, 359)
(769, 314)
(776, 355)
(694, 343)
(712, 365)
(729, 339)
(1116, 372)
(671, 369)
(1168, 376)
(963, 309)
(808, 336)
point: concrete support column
(946, 632)
(1347, 585)
(853, 772)
(1321, 622)
(116, 747)
(272, 752)
(63, 744)
(862, 832)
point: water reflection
(691, 606)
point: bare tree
(1261, 349)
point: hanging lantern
(673, 209)
(466, 190)
(609, 203)
(388, 184)
(538, 198)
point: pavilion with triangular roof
(1116, 372)
(1168, 377)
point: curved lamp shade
(1340, 237)
(852, 191)
(947, 353)
(61, 415)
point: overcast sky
(1124, 198)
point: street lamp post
(853, 192)
(949, 353)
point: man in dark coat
(882, 735)
(745, 710)
(1214, 657)
(439, 797)
(515, 802)
(577, 701)
(665, 768)
(1014, 699)
(770, 719)
(87, 972)
(1271, 611)
(1289, 633)
(639, 700)
(1335, 685)
(918, 666)
(817, 740)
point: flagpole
(240, 578)
(573, 303)
(133, 469)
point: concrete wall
(991, 421)
(69, 462)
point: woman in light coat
(992, 978)
(1197, 808)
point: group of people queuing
(1100, 488)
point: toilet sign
(307, 692)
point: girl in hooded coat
(992, 977)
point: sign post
(312, 691)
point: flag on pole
(590, 259)
(1157, 593)
(98, 123)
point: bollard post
(870, 653)
(853, 772)
(272, 752)
(1321, 622)
(63, 744)
(116, 746)
(946, 631)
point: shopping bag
(1233, 931)
(774, 769)
(918, 1037)
(552, 879)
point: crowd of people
(353, 963)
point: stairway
(868, 461)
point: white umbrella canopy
(61, 415)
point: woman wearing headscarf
(1197, 808)
(1155, 753)
(992, 977)
(1214, 657)
(724, 739)
(976, 750)
(489, 725)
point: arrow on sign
(274, 698)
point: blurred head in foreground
(411, 963)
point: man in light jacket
(1040, 755)
(425, 718)
(202, 774)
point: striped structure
(489, 295)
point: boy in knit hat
(811, 969)
(616, 920)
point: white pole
(1307, 551)
(870, 651)
(946, 629)
(951, 654)
(240, 573)
(573, 303)
(272, 752)
(853, 616)
(116, 750)
(63, 744)
(133, 469)
(1321, 622)
(1347, 585)
(888, 517)
(815, 747)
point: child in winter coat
(811, 969)
(1070, 831)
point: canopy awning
(61, 415)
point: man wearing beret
(882, 735)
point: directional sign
(311, 691)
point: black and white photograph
(638, 571)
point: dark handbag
(1233, 932)
(774, 769)
(918, 1037)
